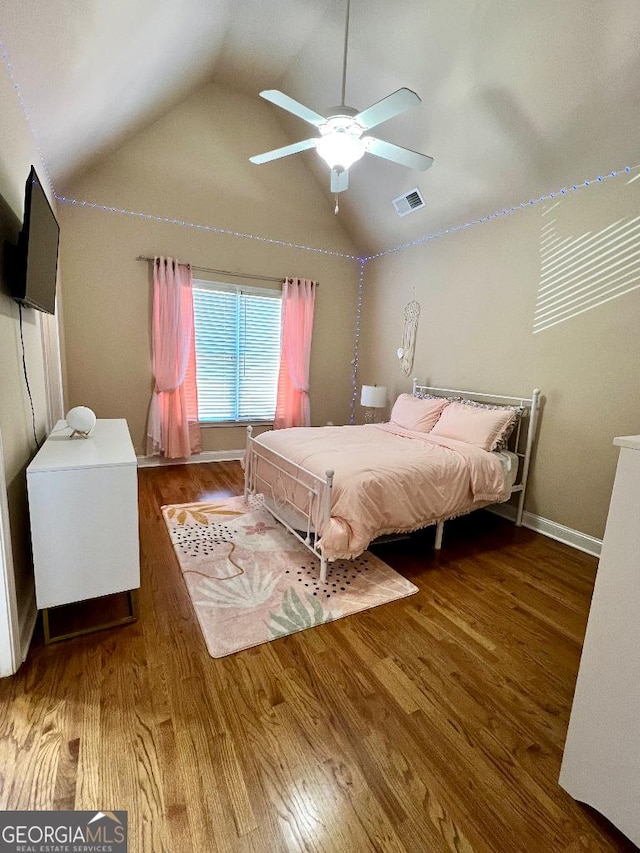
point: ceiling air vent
(409, 202)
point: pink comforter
(389, 480)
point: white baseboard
(574, 538)
(205, 456)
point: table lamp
(372, 397)
(81, 420)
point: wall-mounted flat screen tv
(36, 258)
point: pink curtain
(173, 429)
(292, 407)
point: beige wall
(192, 165)
(17, 153)
(478, 290)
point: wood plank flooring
(434, 723)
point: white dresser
(601, 762)
(83, 506)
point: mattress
(509, 462)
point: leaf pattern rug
(251, 581)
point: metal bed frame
(288, 481)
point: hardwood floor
(434, 723)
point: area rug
(251, 581)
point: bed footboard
(295, 496)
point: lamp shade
(373, 396)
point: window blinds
(237, 333)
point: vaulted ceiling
(518, 98)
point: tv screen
(35, 276)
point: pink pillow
(479, 426)
(414, 413)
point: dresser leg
(133, 604)
(45, 625)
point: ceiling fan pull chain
(336, 207)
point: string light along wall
(16, 88)
(356, 346)
(209, 228)
(362, 261)
(506, 211)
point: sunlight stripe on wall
(582, 273)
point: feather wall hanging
(406, 351)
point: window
(237, 351)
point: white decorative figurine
(81, 420)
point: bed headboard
(522, 439)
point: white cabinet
(601, 763)
(83, 507)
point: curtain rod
(227, 272)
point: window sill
(241, 424)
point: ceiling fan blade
(387, 108)
(339, 181)
(298, 109)
(404, 156)
(284, 152)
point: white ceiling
(518, 98)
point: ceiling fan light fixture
(341, 142)
(340, 145)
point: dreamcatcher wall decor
(406, 351)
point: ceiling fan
(341, 142)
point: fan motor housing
(342, 110)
